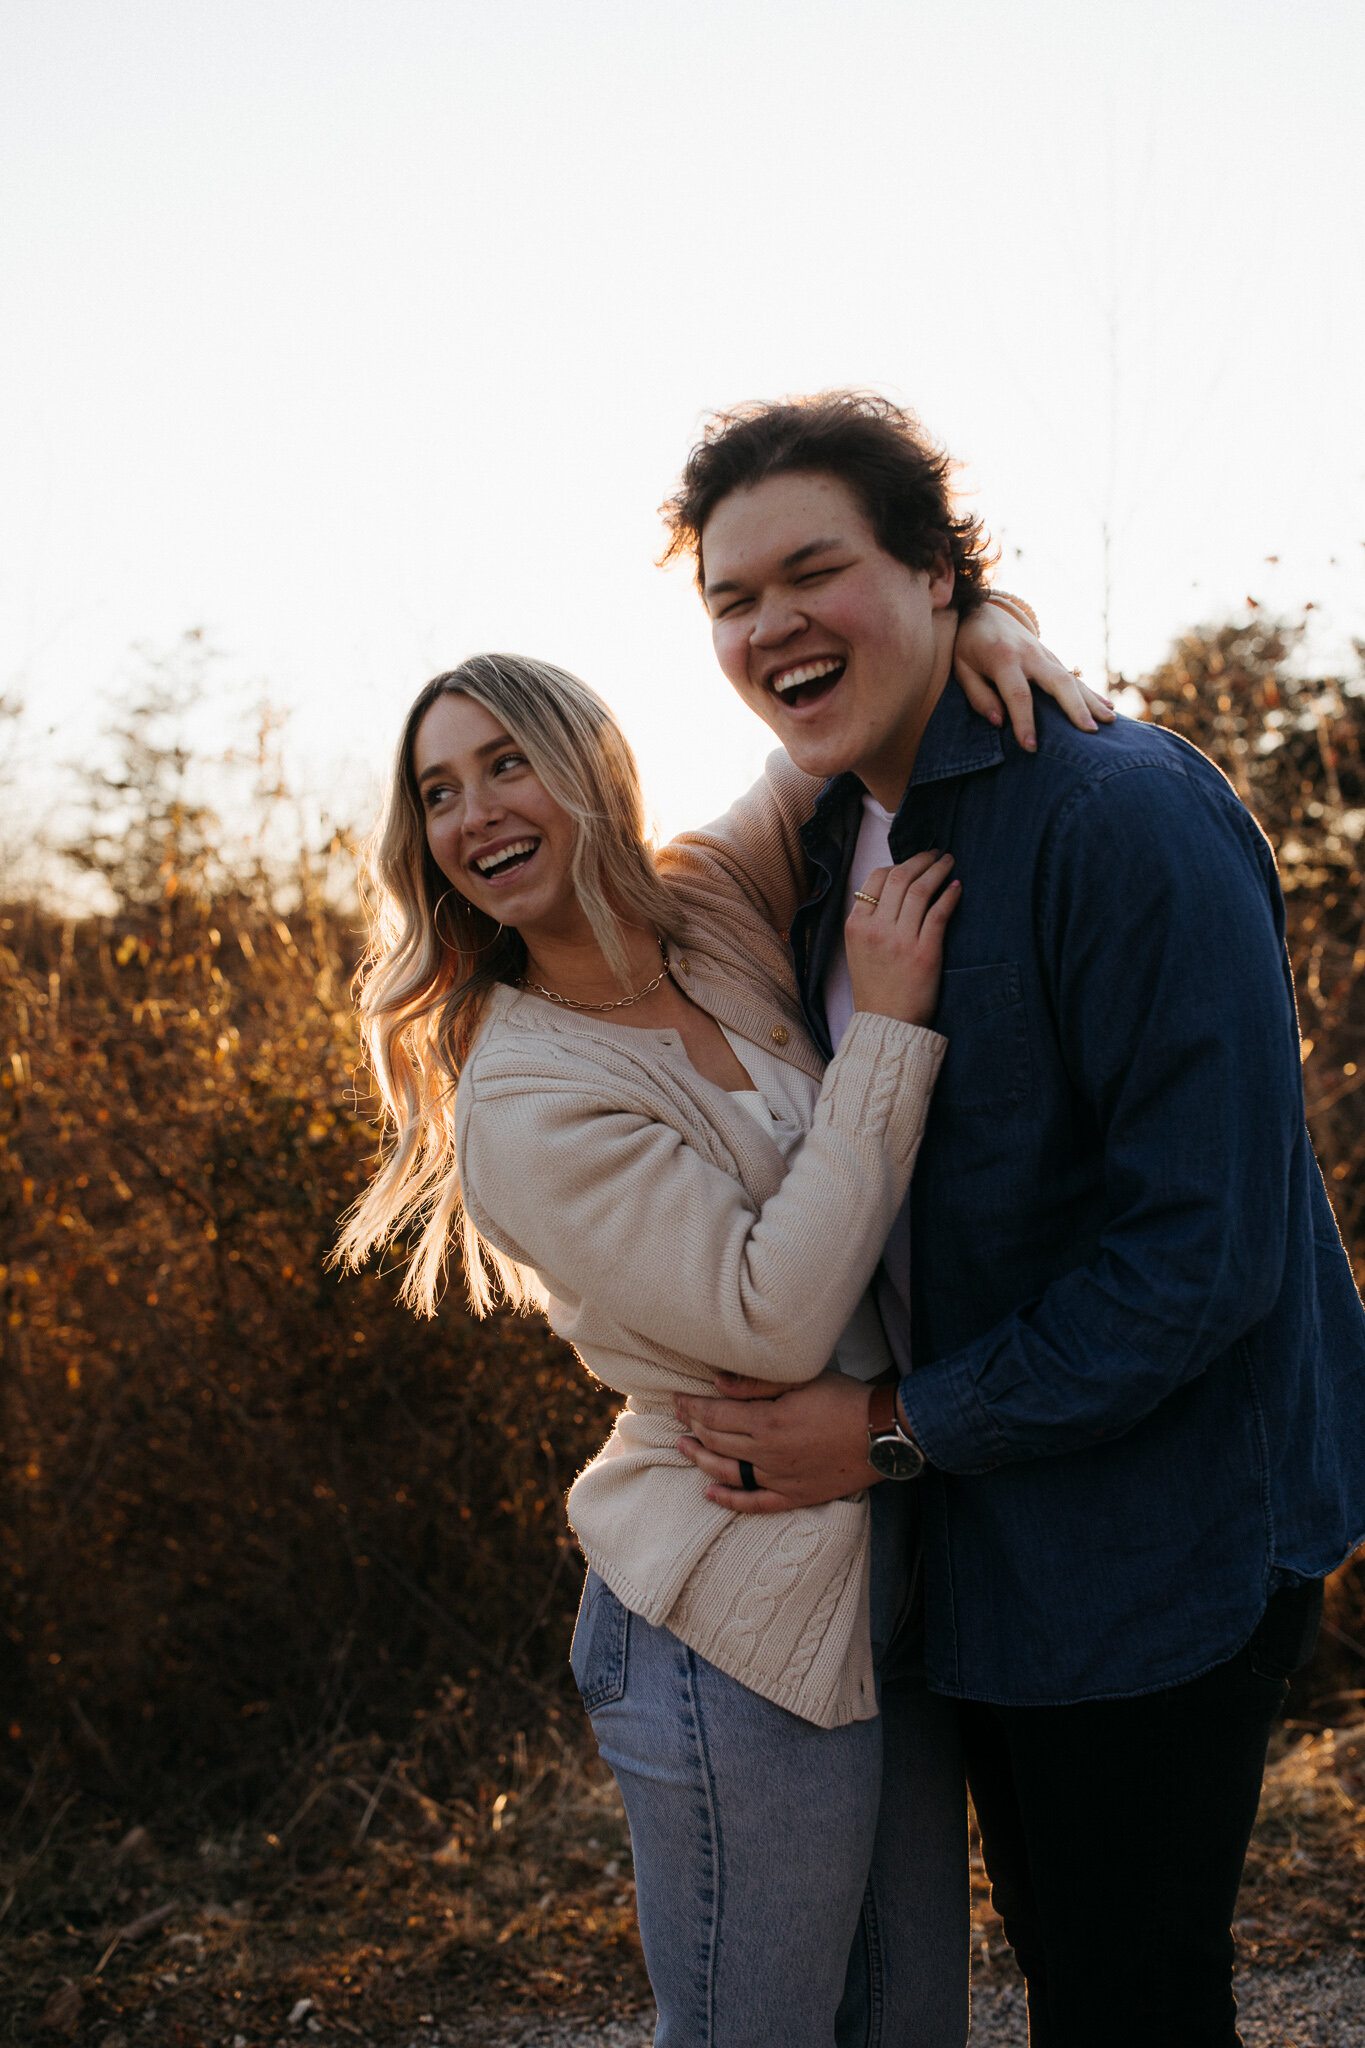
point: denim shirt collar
(957, 741)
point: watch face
(893, 1458)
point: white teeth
(793, 678)
(486, 863)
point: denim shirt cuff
(948, 1419)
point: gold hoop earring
(435, 924)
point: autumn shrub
(1291, 742)
(248, 1505)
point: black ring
(746, 1476)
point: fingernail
(1029, 742)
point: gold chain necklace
(622, 1003)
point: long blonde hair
(433, 958)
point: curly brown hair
(899, 476)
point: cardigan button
(685, 966)
(779, 1034)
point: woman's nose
(481, 806)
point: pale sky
(368, 333)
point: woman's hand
(995, 658)
(895, 942)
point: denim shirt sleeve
(1160, 925)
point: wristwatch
(890, 1451)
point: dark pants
(1114, 1835)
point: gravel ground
(1321, 2004)
(1318, 2005)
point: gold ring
(861, 896)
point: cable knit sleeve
(754, 851)
(615, 1209)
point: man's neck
(887, 779)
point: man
(1131, 1354)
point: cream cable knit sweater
(672, 1244)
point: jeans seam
(713, 1821)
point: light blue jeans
(797, 1887)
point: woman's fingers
(979, 693)
(998, 662)
(924, 889)
(727, 1486)
(940, 910)
(889, 886)
(1098, 704)
(914, 886)
(1083, 706)
(884, 893)
(1065, 690)
(894, 946)
(870, 898)
(1017, 698)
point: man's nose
(778, 616)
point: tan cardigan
(673, 1244)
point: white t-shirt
(891, 1284)
(872, 851)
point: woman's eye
(508, 761)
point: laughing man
(1131, 1357)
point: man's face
(836, 645)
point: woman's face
(494, 830)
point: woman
(641, 1142)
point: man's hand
(806, 1445)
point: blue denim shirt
(1135, 1354)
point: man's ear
(942, 581)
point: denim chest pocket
(987, 1068)
(597, 1655)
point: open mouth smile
(806, 682)
(503, 860)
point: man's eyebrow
(791, 561)
(489, 747)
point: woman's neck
(577, 969)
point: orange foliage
(248, 1502)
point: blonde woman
(599, 1081)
